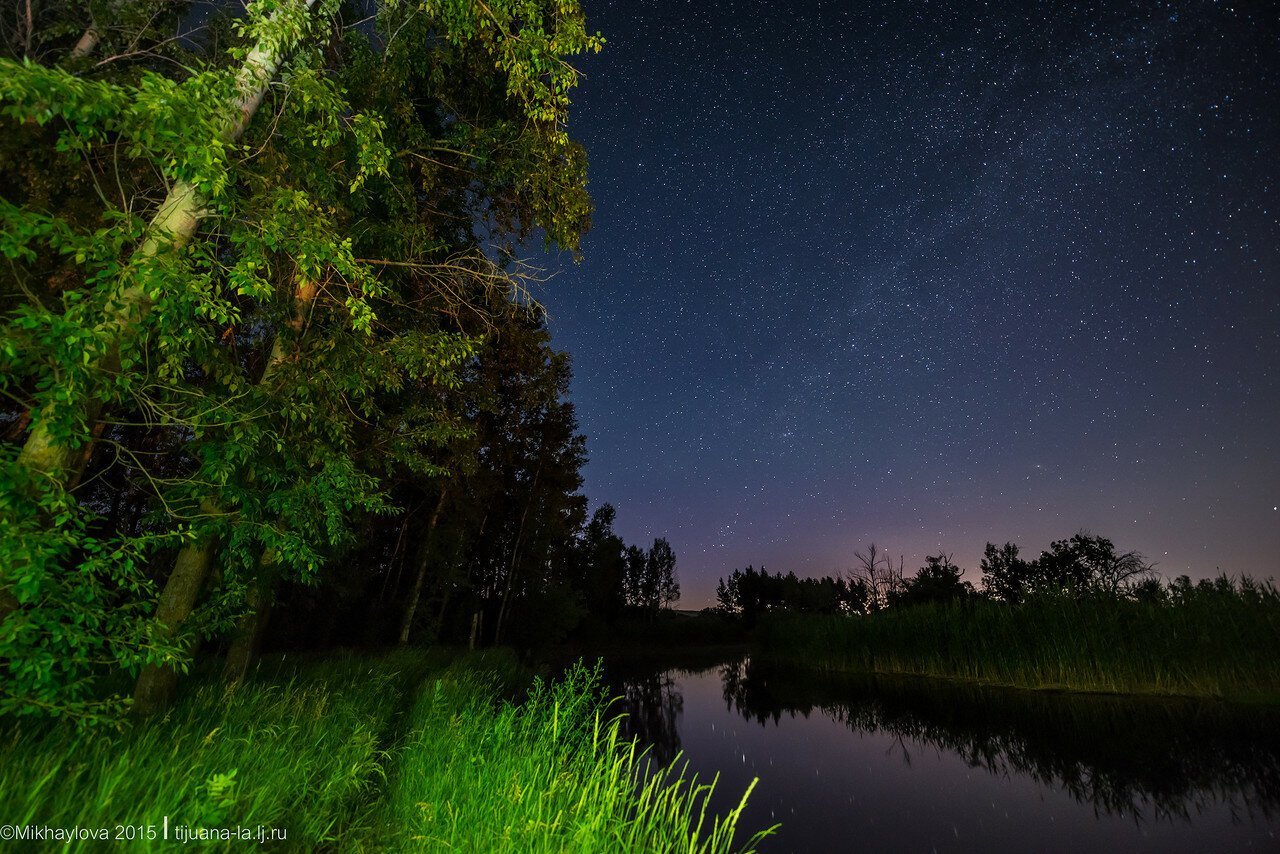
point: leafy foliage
(245, 291)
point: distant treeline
(1084, 566)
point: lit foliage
(263, 289)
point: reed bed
(1221, 644)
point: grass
(302, 754)
(549, 774)
(409, 752)
(1207, 645)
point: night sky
(929, 275)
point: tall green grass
(304, 752)
(549, 774)
(408, 752)
(1207, 645)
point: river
(889, 764)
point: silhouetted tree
(637, 565)
(1005, 576)
(601, 566)
(939, 580)
(876, 573)
(1087, 563)
(1080, 566)
(662, 589)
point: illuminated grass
(406, 752)
(299, 755)
(549, 774)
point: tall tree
(662, 559)
(246, 310)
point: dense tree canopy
(264, 340)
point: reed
(1212, 643)
(551, 773)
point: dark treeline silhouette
(750, 593)
(1082, 567)
(876, 583)
(477, 590)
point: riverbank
(1224, 647)
(423, 751)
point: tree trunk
(440, 612)
(170, 229)
(397, 560)
(515, 552)
(18, 427)
(249, 631)
(424, 556)
(156, 683)
(88, 41)
(197, 558)
(475, 629)
(86, 454)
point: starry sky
(930, 275)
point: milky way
(930, 275)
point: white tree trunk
(172, 226)
(174, 223)
(86, 44)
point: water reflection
(1139, 760)
(652, 704)
(1142, 757)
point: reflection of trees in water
(1149, 758)
(652, 704)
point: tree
(1080, 566)
(75, 363)
(875, 573)
(634, 579)
(1090, 564)
(728, 593)
(267, 313)
(938, 581)
(650, 582)
(662, 563)
(1005, 576)
(602, 565)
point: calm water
(885, 764)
